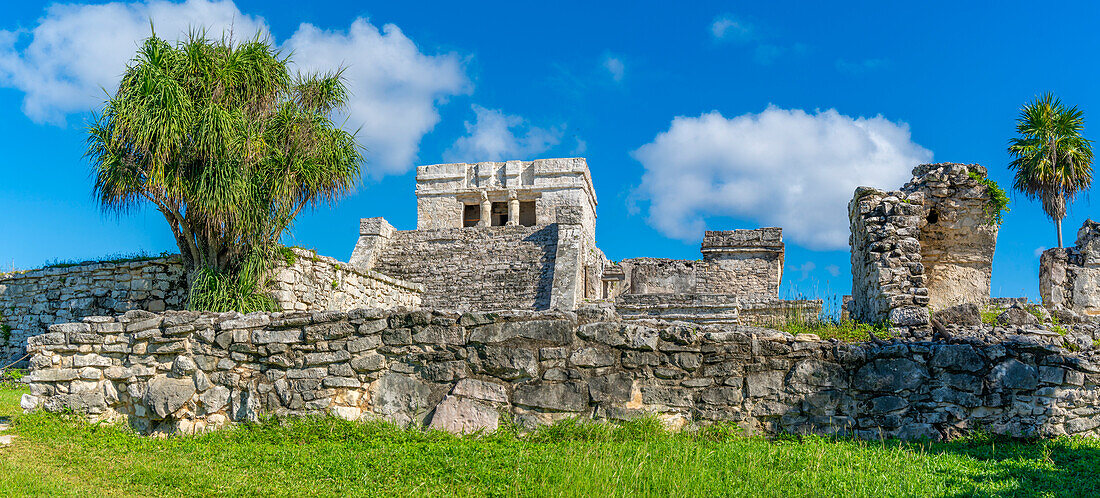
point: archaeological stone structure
(189, 371)
(1069, 277)
(929, 244)
(33, 300)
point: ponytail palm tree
(1053, 161)
(229, 146)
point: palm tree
(1053, 162)
(228, 145)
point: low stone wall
(190, 372)
(314, 282)
(32, 300)
(716, 308)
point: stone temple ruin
(928, 245)
(500, 304)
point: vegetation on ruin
(997, 205)
(1052, 159)
(230, 147)
(57, 456)
(845, 330)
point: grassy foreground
(326, 457)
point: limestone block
(464, 416)
(166, 395)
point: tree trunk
(1058, 225)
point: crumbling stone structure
(929, 244)
(1069, 277)
(32, 301)
(190, 372)
(736, 262)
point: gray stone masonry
(1069, 277)
(929, 245)
(33, 300)
(887, 275)
(190, 372)
(735, 262)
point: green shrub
(998, 199)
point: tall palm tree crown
(1053, 161)
(226, 143)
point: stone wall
(312, 283)
(716, 308)
(1069, 277)
(485, 268)
(888, 283)
(32, 300)
(191, 372)
(956, 238)
(735, 262)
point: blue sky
(691, 114)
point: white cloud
(394, 87)
(615, 67)
(726, 27)
(833, 270)
(1039, 251)
(781, 167)
(495, 136)
(805, 269)
(75, 52)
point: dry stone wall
(888, 283)
(313, 282)
(486, 268)
(956, 238)
(1069, 277)
(33, 300)
(191, 372)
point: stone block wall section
(191, 372)
(956, 237)
(1069, 277)
(887, 274)
(716, 308)
(314, 283)
(32, 300)
(735, 262)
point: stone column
(486, 211)
(374, 234)
(513, 209)
(567, 289)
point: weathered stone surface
(399, 397)
(966, 314)
(509, 363)
(551, 331)
(564, 396)
(1013, 374)
(890, 375)
(480, 389)
(464, 416)
(166, 395)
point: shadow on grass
(1006, 466)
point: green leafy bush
(998, 199)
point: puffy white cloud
(805, 269)
(394, 87)
(614, 67)
(780, 167)
(495, 136)
(76, 52)
(833, 270)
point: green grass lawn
(326, 457)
